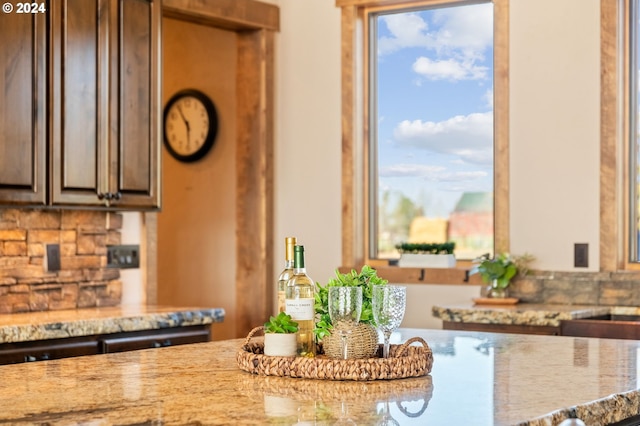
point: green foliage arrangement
(366, 278)
(502, 268)
(280, 324)
(426, 248)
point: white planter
(411, 260)
(280, 344)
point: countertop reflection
(477, 379)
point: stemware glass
(386, 419)
(345, 307)
(389, 303)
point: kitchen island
(477, 379)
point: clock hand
(183, 119)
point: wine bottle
(299, 303)
(286, 273)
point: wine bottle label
(300, 309)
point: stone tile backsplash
(83, 280)
(579, 288)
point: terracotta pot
(280, 344)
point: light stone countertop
(84, 322)
(477, 379)
(524, 313)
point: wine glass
(345, 306)
(388, 303)
(386, 419)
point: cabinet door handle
(109, 196)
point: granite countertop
(524, 313)
(84, 322)
(477, 378)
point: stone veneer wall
(83, 281)
(579, 288)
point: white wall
(555, 130)
(307, 142)
(132, 285)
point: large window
(425, 126)
(431, 148)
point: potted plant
(500, 270)
(280, 335)
(427, 255)
(363, 341)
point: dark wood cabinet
(12, 353)
(99, 100)
(23, 106)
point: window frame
(631, 126)
(355, 124)
(615, 131)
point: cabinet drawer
(11, 353)
(154, 339)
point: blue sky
(435, 104)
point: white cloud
(458, 40)
(403, 170)
(461, 176)
(469, 28)
(449, 69)
(430, 173)
(407, 30)
(470, 137)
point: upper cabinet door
(23, 109)
(135, 102)
(105, 114)
(79, 102)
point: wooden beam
(228, 14)
(255, 281)
(609, 135)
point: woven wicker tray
(404, 361)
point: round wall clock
(190, 125)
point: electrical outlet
(581, 255)
(52, 258)
(123, 256)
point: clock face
(190, 125)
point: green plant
(426, 248)
(366, 278)
(280, 324)
(502, 268)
